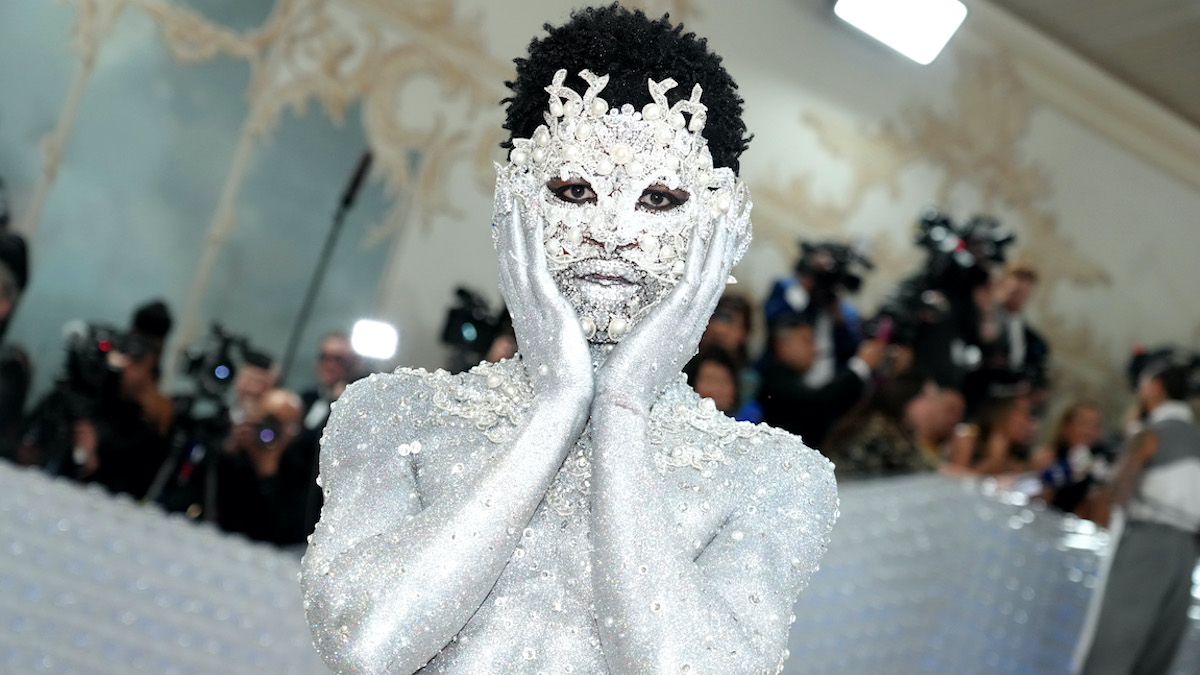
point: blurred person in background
(149, 329)
(1144, 614)
(16, 371)
(712, 373)
(337, 366)
(126, 443)
(789, 402)
(729, 329)
(881, 438)
(934, 438)
(1073, 458)
(824, 274)
(261, 487)
(256, 376)
(1010, 342)
(1011, 350)
(938, 310)
(999, 442)
(504, 345)
(188, 481)
(14, 256)
(114, 433)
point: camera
(960, 257)
(976, 245)
(213, 363)
(470, 329)
(833, 267)
(202, 421)
(87, 370)
(87, 383)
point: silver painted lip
(607, 272)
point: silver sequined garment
(399, 443)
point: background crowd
(947, 376)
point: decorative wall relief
(334, 53)
(976, 149)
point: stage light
(374, 339)
(917, 29)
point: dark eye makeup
(574, 192)
(656, 198)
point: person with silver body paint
(576, 508)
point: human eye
(659, 198)
(573, 191)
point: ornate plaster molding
(1087, 93)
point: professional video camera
(211, 364)
(88, 380)
(833, 267)
(202, 420)
(961, 252)
(470, 329)
(934, 310)
(959, 260)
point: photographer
(1009, 342)
(262, 485)
(106, 421)
(337, 366)
(939, 311)
(16, 372)
(824, 272)
(229, 381)
(789, 402)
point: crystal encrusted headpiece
(583, 136)
(622, 154)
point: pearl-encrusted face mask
(621, 192)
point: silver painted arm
(388, 581)
(666, 607)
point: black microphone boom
(318, 276)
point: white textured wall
(849, 139)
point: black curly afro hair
(630, 48)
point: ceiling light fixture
(374, 339)
(918, 29)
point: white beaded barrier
(95, 584)
(924, 575)
(928, 575)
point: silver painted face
(621, 193)
(620, 246)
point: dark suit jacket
(789, 404)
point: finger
(716, 270)
(516, 230)
(511, 267)
(698, 249)
(538, 274)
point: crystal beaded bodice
(539, 618)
